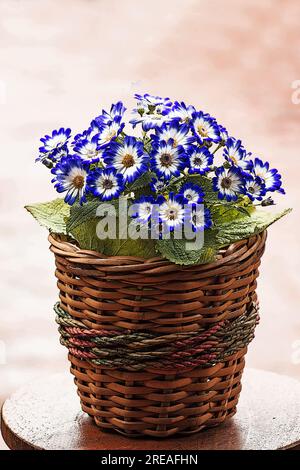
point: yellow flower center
(128, 160)
(202, 131)
(78, 181)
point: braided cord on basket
(140, 350)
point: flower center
(166, 159)
(251, 189)
(128, 160)
(78, 182)
(198, 161)
(172, 214)
(107, 184)
(109, 136)
(202, 131)
(226, 182)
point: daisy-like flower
(167, 160)
(70, 176)
(182, 112)
(144, 209)
(151, 111)
(200, 160)
(270, 177)
(235, 154)
(127, 158)
(175, 131)
(49, 159)
(192, 192)
(116, 110)
(55, 141)
(157, 186)
(109, 132)
(105, 183)
(254, 187)
(199, 218)
(223, 133)
(148, 121)
(147, 101)
(88, 150)
(171, 211)
(228, 182)
(205, 128)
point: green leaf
(80, 214)
(241, 228)
(88, 211)
(176, 250)
(52, 214)
(142, 181)
(86, 236)
(228, 212)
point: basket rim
(227, 254)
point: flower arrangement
(176, 167)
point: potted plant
(157, 245)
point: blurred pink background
(62, 61)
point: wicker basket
(157, 349)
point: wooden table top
(46, 415)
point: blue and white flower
(228, 182)
(200, 160)
(89, 151)
(116, 110)
(254, 187)
(157, 186)
(49, 159)
(223, 133)
(70, 177)
(178, 133)
(270, 177)
(55, 141)
(167, 160)
(144, 210)
(171, 211)
(147, 101)
(127, 158)
(205, 128)
(109, 132)
(192, 192)
(199, 218)
(235, 154)
(182, 112)
(105, 183)
(151, 111)
(149, 121)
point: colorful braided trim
(121, 349)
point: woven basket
(157, 349)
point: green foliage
(176, 250)
(241, 228)
(52, 215)
(231, 223)
(142, 182)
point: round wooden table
(46, 415)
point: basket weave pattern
(155, 348)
